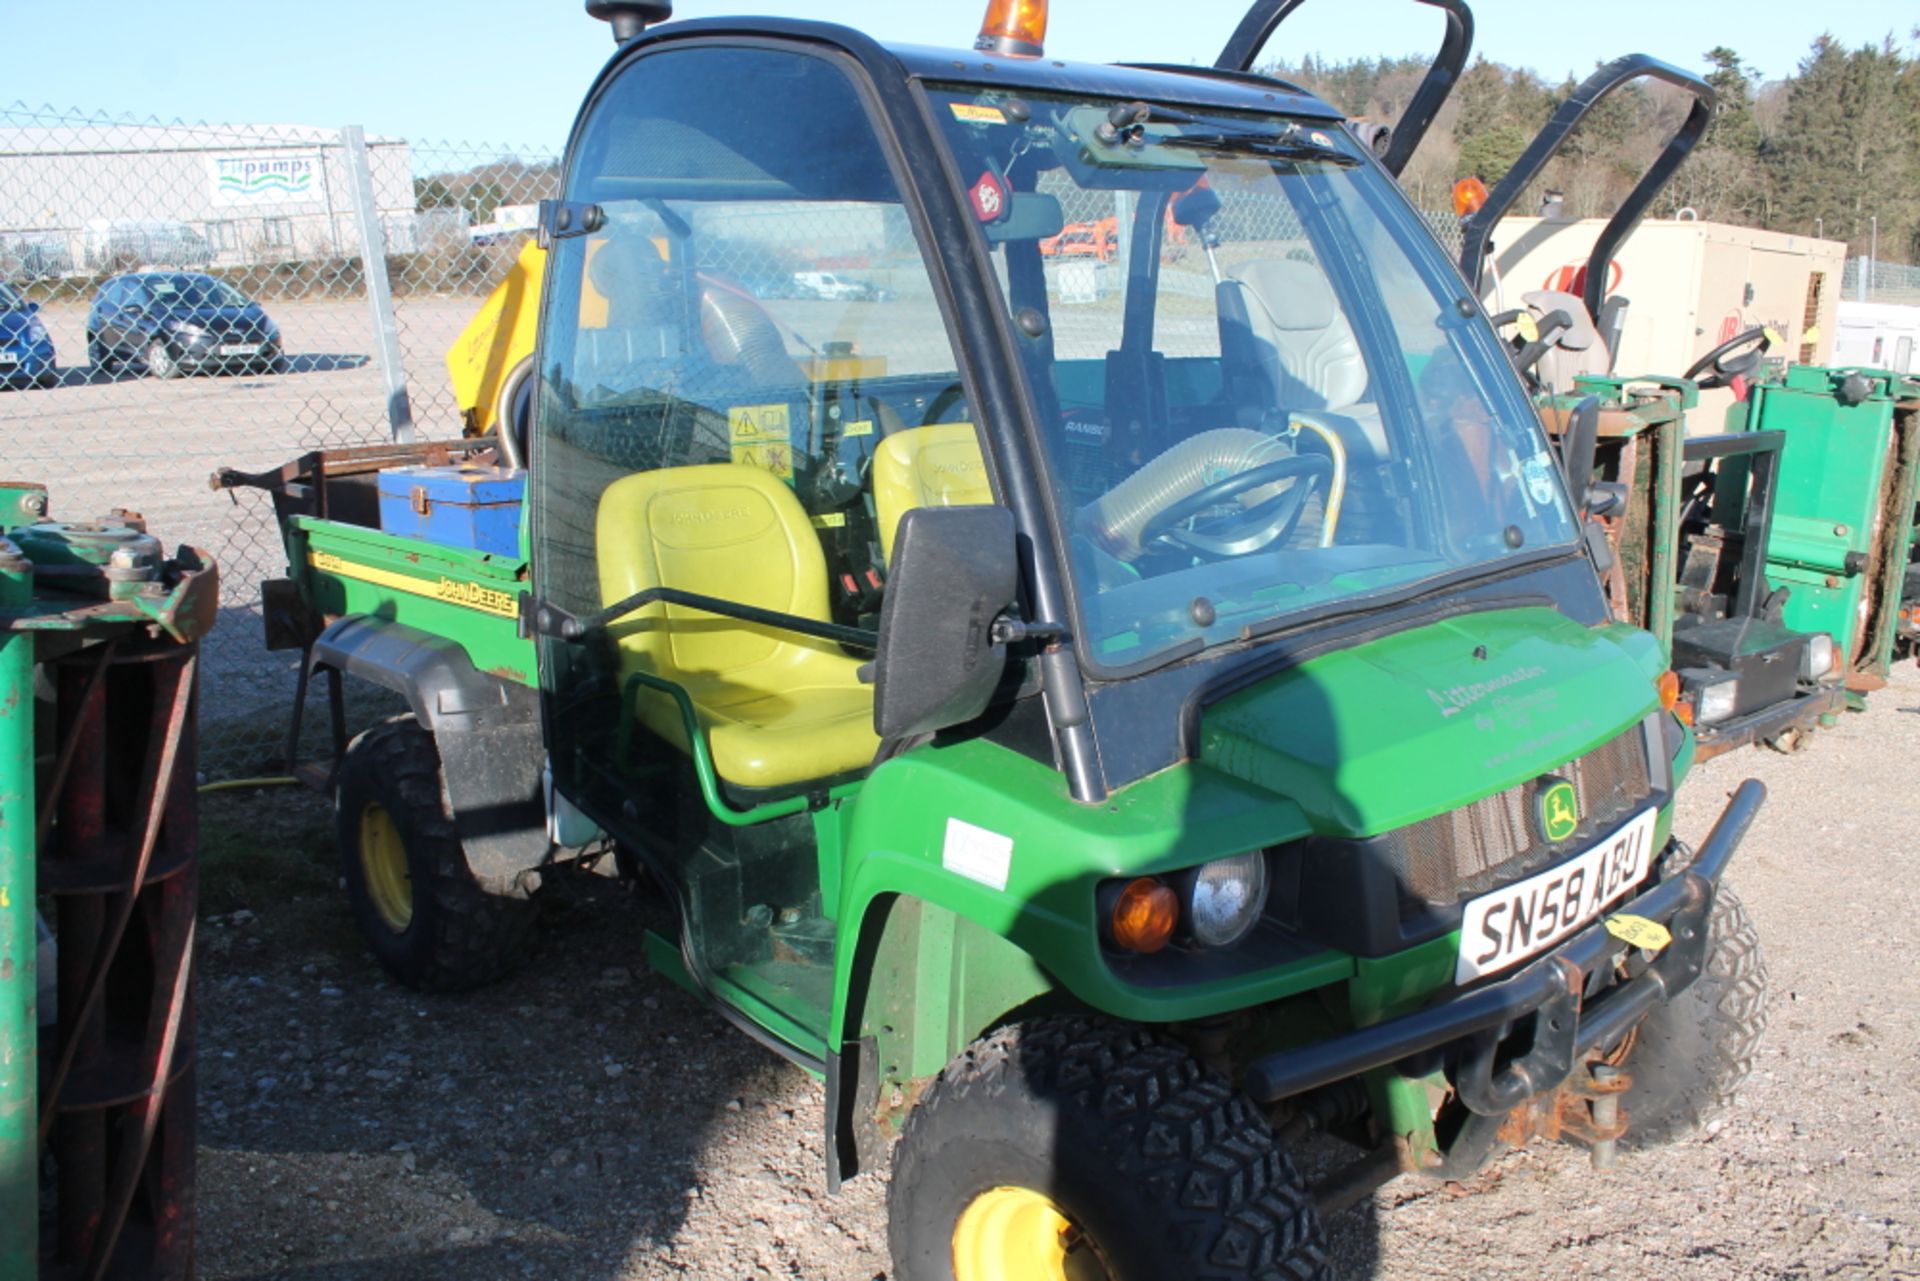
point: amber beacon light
(1014, 28)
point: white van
(1878, 335)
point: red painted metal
(117, 1111)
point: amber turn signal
(1469, 194)
(1014, 28)
(1144, 915)
(1669, 685)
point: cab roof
(1188, 85)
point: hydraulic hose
(1115, 519)
(738, 331)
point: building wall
(218, 196)
(1691, 285)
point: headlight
(1817, 659)
(1715, 702)
(1226, 897)
(36, 332)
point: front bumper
(31, 365)
(203, 351)
(1464, 1032)
(1801, 712)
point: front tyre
(424, 917)
(160, 361)
(1691, 1054)
(1080, 1149)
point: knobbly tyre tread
(1192, 1157)
(471, 937)
(1694, 1053)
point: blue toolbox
(464, 506)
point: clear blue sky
(512, 71)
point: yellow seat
(777, 707)
(938, 465)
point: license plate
(239, 348)
(8, 358)
(1530, 916)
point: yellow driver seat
(777, 707)
(938, 465)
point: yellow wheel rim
(383, 866)
(1017, 1234)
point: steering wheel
(952, 394)
(1258, 526)
(1726, 367)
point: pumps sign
(255, 180)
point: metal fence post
(373, 250)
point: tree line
(1831, 150)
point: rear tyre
(98, 356)
(1692, 1053)
(1079, 1149)
(160, 361)
(424, 917)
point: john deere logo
(1556, 809)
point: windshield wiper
(1256, 144)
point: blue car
(26, 349)
(176, 322)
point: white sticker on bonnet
(977, 854)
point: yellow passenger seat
(777, 707)
(938, 465)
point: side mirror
(955, 571)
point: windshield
(1264, 390)
(193, 291)
(10, 299)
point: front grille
(1454, 856)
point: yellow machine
(490, 361)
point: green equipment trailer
(1109, 721)
(1687, 519)
(1843, 513)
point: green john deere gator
(1101, 717)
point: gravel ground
(587, 1120)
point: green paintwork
(492, 640)
(896, 833)
(934, 981)
(19, 944)
(1352, 743)
(1412, 725)
(1846, 491)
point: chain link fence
(1869, 280)
(175, 297)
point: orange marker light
(1014, 28)
(1685, 712)
(1669, 685)
(1469, 194)
(1144, 915)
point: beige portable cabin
(1690, 285)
